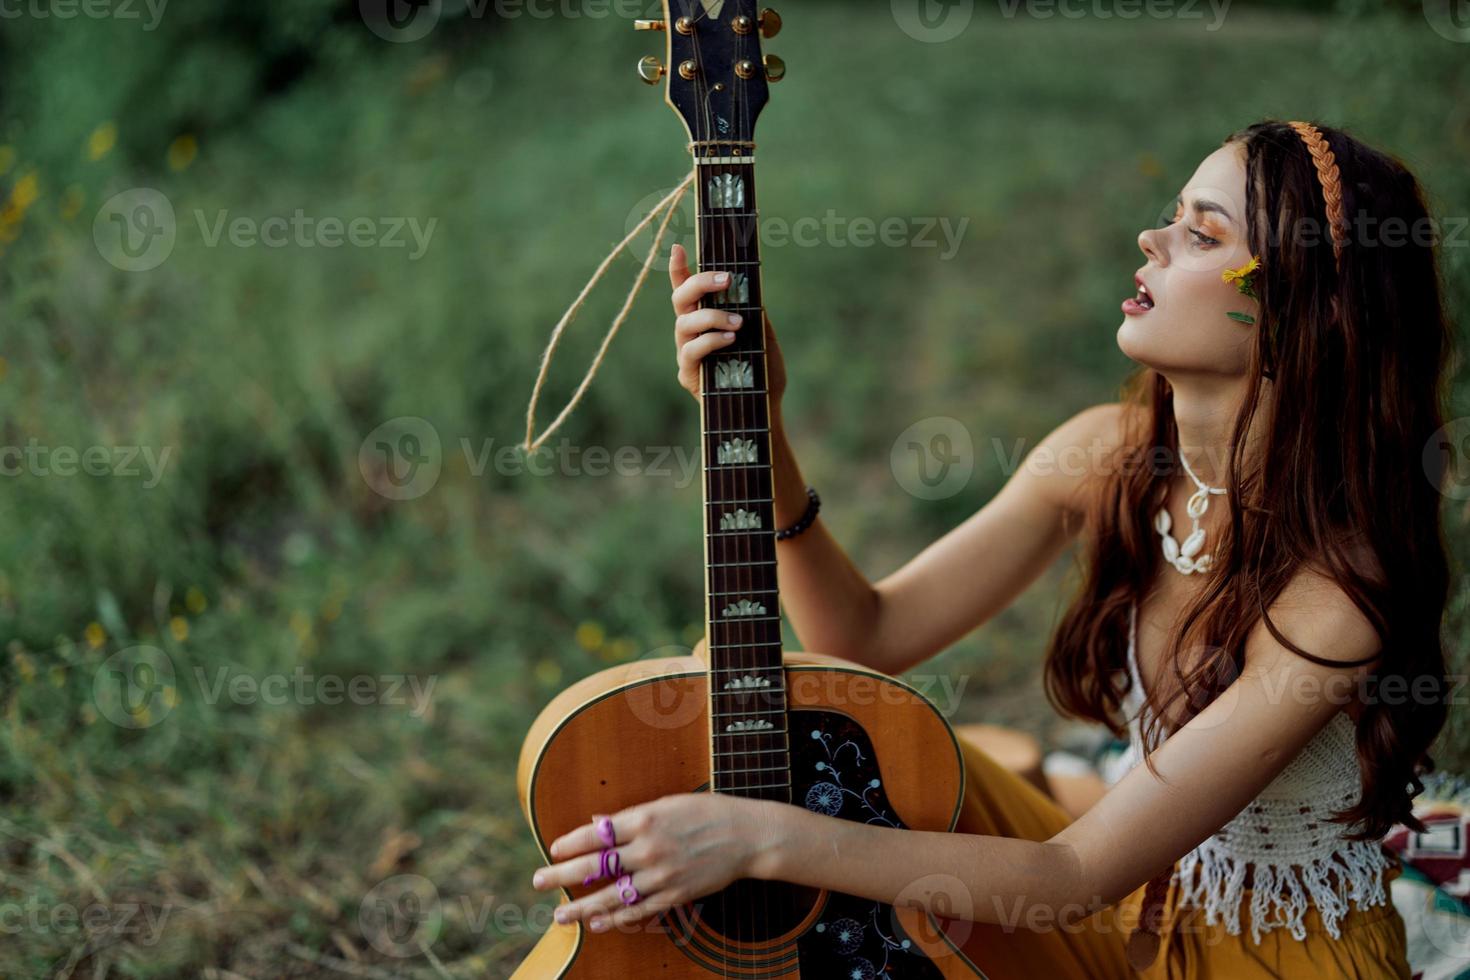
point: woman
(1292, 340)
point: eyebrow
(1204, 204)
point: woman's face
(1176, 323)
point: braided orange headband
(1331, 180)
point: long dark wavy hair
(1356, 358)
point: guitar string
(774, 656)
(716, 480)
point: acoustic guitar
(740, 716)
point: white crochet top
(1283, 836)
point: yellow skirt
(998, 802)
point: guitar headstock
(717, 78)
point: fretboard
(750, 747)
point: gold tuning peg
(770, 22)
(775, 68)
(649, 25)
(650, 69)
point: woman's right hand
(700, 332)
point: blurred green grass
(260, 830)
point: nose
(1150, 240)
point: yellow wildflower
(25, 191)
(179, 627)
(181, 152)
(95, 635)
(72, 201)
(548, 672)
(1237, 275)
(101, 142)
(590, 636)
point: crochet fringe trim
(1214, 881)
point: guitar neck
(750, 750)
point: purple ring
(610, 868)
(625, 885)
(605, 830)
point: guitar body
(640, 731)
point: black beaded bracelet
(813, 506)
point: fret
(739, 501)
(724, 161)
(731, 432)
(726, 534)
(738, 391)
(760, 732)
(744, 691)
(722, 265)
(744, 592)
(741, 670)
(786, 785)
(751, 751)
(752, 711)
(738, 772)
(742, 620)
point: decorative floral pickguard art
(834, 773)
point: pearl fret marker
(734, 374)
(750, 725)
(738, 451)
(740, 520)
(744, 607)
(726, 191)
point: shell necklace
(1182, 556)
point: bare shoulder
(1064, 466)
(1318, 615)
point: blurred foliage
(259, 830)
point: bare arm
(950, 588)
(1211, 769)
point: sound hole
(834, 771)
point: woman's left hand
(677, 849)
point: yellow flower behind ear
(1239, 275)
